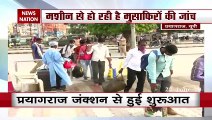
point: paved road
(180, 83)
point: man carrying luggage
(100, 53)
(159, 71)
(133, 62)
(54, 60)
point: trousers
(98, 68)
(131, 77)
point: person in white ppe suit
(53, 59)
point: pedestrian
(77, 50)
(53, 59)
(68, 52)
(159, 71)
(133, 62)
(197, 74)
(100, 53)
(117, 40)
(37, 52)
(32, 41)
(84, 58)
(77, 41)
(122, 46)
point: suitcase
(44, 75)
(115, 85)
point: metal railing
(16, 63)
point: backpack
(144, 59)
(61, 50)
(194, 71)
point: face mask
(142, 49)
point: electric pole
(133, 36)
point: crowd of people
(86, 53)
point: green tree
(114, 29)
(104, 30)
(77, 28)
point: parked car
(14, 40)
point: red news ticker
(29, 16)
(206, 99)
(6, 99)
(180, 26)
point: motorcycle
(198, 39)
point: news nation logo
(28, 16)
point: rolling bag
(77, 72)
(44, 75)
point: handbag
(115, 85)
(67, 65)
(110, 74)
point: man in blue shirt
(37, 53)
(159, 71)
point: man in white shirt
(100, 53)
(133, 62)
